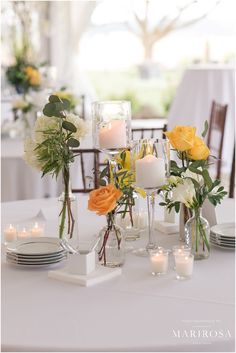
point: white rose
(184, 192)
(197, 177)
(30, 156)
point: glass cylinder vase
(111, 247)
(68, 224)
(197, 234)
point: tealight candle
(150, 171)
(24, 233)
(113, 135)
(180, 250)
(10, 234)
(36, 230)
(159, 262)
(184, 266)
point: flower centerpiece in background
(191, 184)
(23, 75)
(51, 151)
(105, 201)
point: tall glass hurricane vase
(150, 163)
(111, 128)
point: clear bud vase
(111, 247)
(68, 224)
(197, 233)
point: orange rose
(199, 151)
(104, 199)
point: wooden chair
(217, 127)
(232, 177)
(89, 183)
(142, 133)
(82, 105)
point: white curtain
(69, 20)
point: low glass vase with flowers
(190, 184)
(51, 152)
(105, 202)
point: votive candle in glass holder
(37, 230)
(180, 250)
(184, 266)
(159, 261)
(10, 234)
(23, 233)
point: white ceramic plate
(32, 259)
(51, 264)
(23, 262)
(36, 246)
(35, 257)
(225, 229)
(220, 241)
(221, 237)
(222, 246)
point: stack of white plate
(35, 252)
(223, 235)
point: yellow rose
(181, 137)
(199, 151)
(33, 75)
(104, 199)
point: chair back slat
(142, 133)
(217, 128)
(232, 177)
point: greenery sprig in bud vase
(51, 152)
(191, 184)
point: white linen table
(133, 312)
(200, 85)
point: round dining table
(132, 312)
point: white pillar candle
(159, 262)
(36, 231)
(10, 234)
(150, 171)
(169, 217)
(22, 234)
(184, 265)
(113, 135)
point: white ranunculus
(30, 156)
(197, 177)
(184, 192)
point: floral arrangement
(105, 201)
(23, 75)
(190, 183)
(51, 149)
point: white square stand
(82, 263)
(100, 274)
(168, 226)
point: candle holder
(111, 126)
(184, 266)
(159, 261)
(150, 163)
(178, 250)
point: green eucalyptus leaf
(49, 109)
(102, 182)
(195, 170)
(72, 142)
(205, 128)
(68, 126)
(104, 172)
(54, 99)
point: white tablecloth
(192, 103)
(134, 312)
